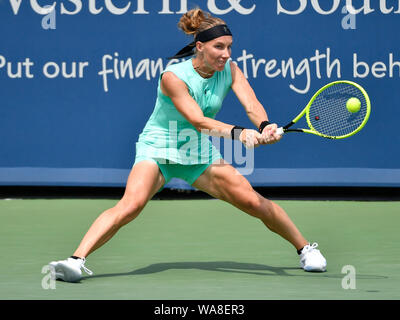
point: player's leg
(224, 182)
(144, 180)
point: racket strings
(328, 113)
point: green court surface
(202, 249)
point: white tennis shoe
(69, 270)
(311, 259)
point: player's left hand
(269, 135)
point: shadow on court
(220, 266)
(227, 266)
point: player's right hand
(270, 135)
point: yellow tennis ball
(353, 105)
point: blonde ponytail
(197, 20)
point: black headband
(204, 36)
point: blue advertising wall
(78, 82)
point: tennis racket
(331, 115)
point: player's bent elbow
(200, 123)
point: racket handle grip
(280, 131)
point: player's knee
(129, 209)
(261, 208)
(268, 212)
(252, 204)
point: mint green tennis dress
(169, 139)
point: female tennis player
(189, 95)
